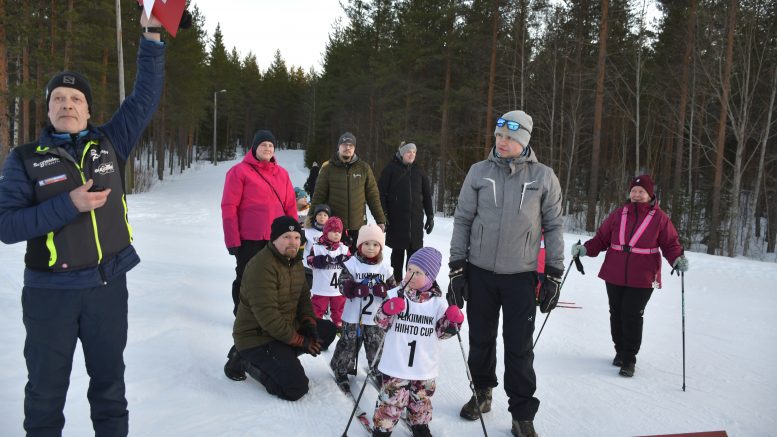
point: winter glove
(454, 314)
(320, 261)
(380, 290)
(550, 290)
(311, 346)
(429, 224)
(339, 259)
(233, 250)
(578, 250)
(308, 328)
(363, 290)
(458, 289)
(348, 289)
(681, 264)
(395, 305)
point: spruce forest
(687, 96)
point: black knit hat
(70, 79)
(261, 136)
(322, 207)
(284, 224)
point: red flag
(169, 13)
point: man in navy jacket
(64, 196)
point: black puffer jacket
(405, 195)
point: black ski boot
(627, 369)
(523, 428)
(378, 433)
(470, 410)
(618, 360)
(421, 430)
(235, 368)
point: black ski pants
(515, 295)
(280, 370)
(248, 248)
(55, 320)
(627, 306)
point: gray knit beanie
(523, 133)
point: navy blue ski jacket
(22, 218)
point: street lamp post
(215, 111)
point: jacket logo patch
(52, 180)
(357, 175)
(46, 162)
(104, 169)
(95, 155)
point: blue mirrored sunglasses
(512, 125)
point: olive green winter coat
(347, 188)
(274, 298)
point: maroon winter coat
(628, 268)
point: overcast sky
(298, 28)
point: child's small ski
(360, 414)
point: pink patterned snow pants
(396, 394)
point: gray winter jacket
(501, 212)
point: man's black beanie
(69, 79)
(284, 224)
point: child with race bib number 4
(364, 281)
(416, 320)
(326, 258)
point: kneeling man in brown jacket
(275, 322)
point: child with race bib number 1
(416, 318)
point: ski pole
(682, 294)
(469, 374)
(548, 315)
(358, 338)
(400, 292)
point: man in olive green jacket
(275, 322)
(347, 185)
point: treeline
(688, 99)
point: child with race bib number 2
(416, 318)
(364, 282)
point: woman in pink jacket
(634, 236)
(256, 191)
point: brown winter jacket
(347, 188)
(274, 299)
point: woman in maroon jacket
(634, 236)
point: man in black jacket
(405, 195)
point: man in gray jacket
(505, 204)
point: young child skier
(303, 207)
(326, 258)
(314, 229)
(364, 281)
(416, 319)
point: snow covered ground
(180, 330)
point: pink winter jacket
(249, 203)
(628, 268)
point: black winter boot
(627, 369)
(618, 360)
(470, 410)
(378, 433)
(421, 430)
(235, 367)
(524, 428)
